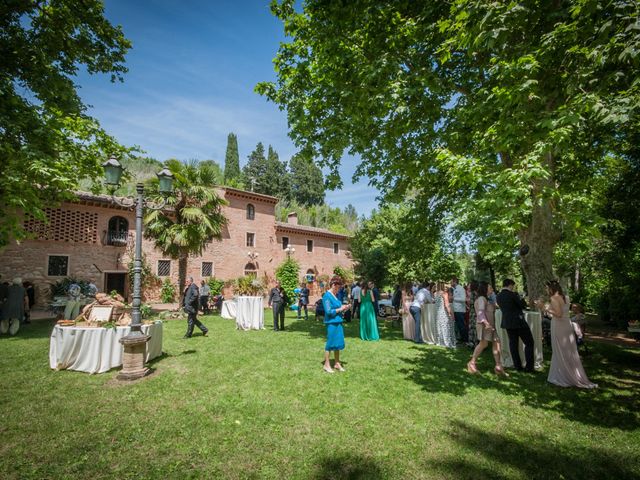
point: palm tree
(193, 218)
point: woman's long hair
(554, 287)
(483, 289)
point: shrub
(168, 291)
(346, 275)
(216, 285)
(288, 275)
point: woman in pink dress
(566, 368)
(485, 326)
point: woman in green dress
(368, 320)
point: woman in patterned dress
(445, 333)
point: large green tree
(195, 217)
(266, 174)
(232, 173)
(48, 143)
(498, 112)
(307, 182)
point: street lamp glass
(165, 179)
(112, 171)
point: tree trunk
(182, 274)
(541, 238)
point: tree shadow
(533, 456)
(614, 404)
(347, 467)
(35, 329)
(317, 329)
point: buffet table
(229, 309)
(534, 320)
(96, 350)
(249, 313)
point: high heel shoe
(500, 371)
(471, 368)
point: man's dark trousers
(416, 313)
(515, 334)
(462, 328)
(192, 321)
(278, 315)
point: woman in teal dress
(368, 320)
(333, 309)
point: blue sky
(192, 70)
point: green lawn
(257, 405)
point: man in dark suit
(191, 303)
(303, 302)
(513, 321)
(278, 299)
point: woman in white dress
(408, 324)
(566, 368)
(445, 333)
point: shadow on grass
(530, 455)
(347, 467)
(35, 329)
(317, 329)
(614, 404)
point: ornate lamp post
(134, 343)
(253, 256)
(289, 251)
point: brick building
(92, 239)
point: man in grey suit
(191, 303)
(513, 321)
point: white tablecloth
(534, 319)
(228, 309)
(428, 323)
(249, 313)
(96, 350)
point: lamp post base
(133, 359)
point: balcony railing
(117, 239)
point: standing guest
(566, 368)
(191, 301)
(355, 295)
(31, 300)
(205, 292)
(278, 299)
(416, 312)
(14, 308)
(578, 319)
(517, 328)
(333, 309)
(303, 301)
(473, 294)
(430, 287)
(408, 324)
(485, 324)
(4, 290)
(459, 304)
(376, 297)
(396, 299)
(445, 331)
(368, 319)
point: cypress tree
(232, 160)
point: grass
(257, 405)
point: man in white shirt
(356, 291)
(416, 311)
(459, 309)
(429, 298)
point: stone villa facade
(93, 237)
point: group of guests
(452, 305)
(16, 302)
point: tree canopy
(48, 143)
(307, 182)
(499, 114)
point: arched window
(251, 212)
(251, 269)
(310, 276)
(118, 231)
